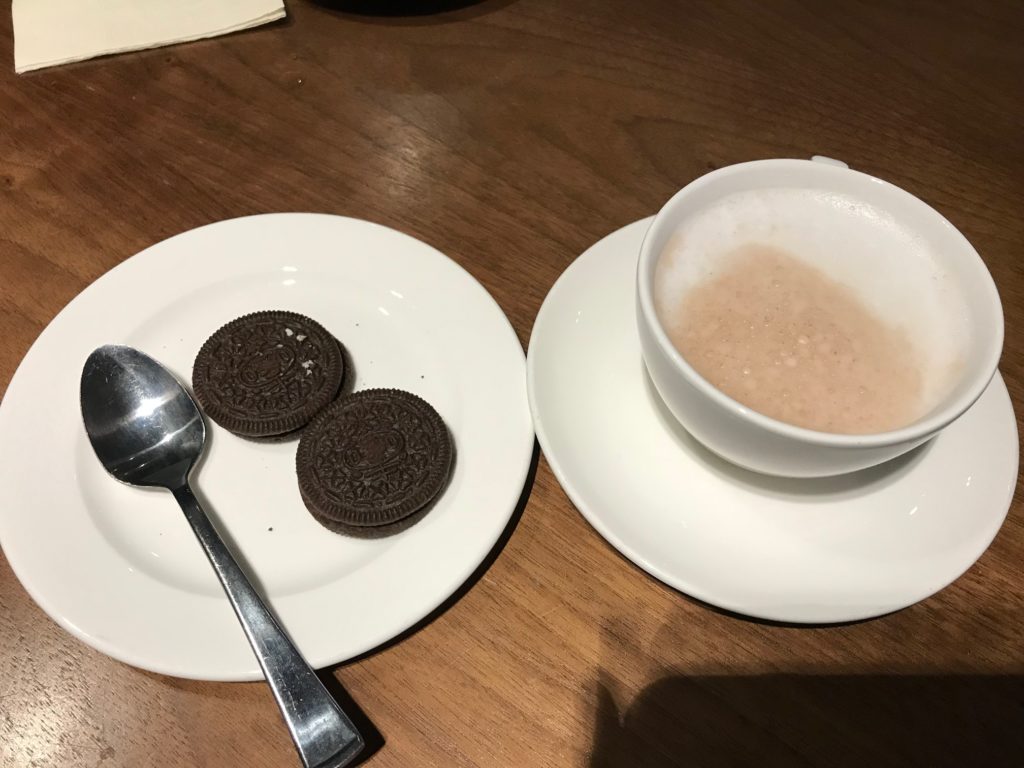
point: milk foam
(890, 268)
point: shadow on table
(413, 11)
(373, 740)
(809, 720)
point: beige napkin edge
(258, 21)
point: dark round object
(268, 373)
(373, 458)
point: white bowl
(760, 443)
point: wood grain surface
(512, 134)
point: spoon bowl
(144, 427)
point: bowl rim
(917, 430)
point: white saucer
(817, 551)
(119, 567)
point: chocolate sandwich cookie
(268, 373)
(372, 461)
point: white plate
(119, 567)
(837, 549)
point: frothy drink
(789, 301)
(781, 337)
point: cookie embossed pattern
(268, 373)
(373, 462)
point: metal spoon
(146, 430)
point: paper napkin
(50, 32)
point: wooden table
(512, 135)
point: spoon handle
(323, 734)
